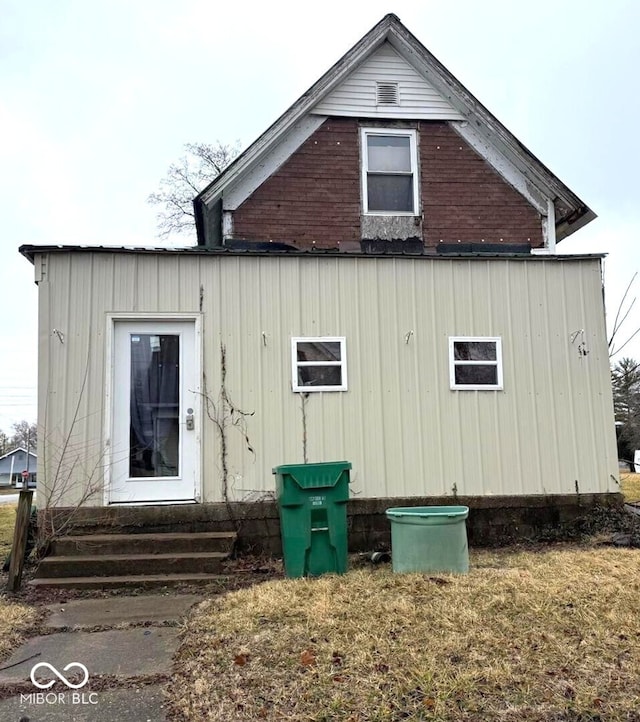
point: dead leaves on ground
(307, 658)
(241, 659)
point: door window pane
(154, 405)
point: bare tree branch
(622, 314)
(201, 164)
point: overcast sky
(97, 98)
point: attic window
(389, 171)
(387, 94)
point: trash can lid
(428, 511)
(292, 468)
(314, 476)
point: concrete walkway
(96, 634)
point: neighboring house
(375, 280)
(14, 463)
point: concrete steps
(167, 543)
(144, 581)
(158, 559)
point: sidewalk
(126, 645)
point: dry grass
(7, 523)
(15, 621)
(552, 635)
(630, 486)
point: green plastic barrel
(429, 539)
(312, 501)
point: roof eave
(31, 251)
(566, 227)
(405, 43)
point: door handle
(189, 421)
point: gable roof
(483, 129)
(15, 451)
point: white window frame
(295, 364)
(453, 363)
(364, 170)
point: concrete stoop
(141, 560)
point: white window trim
(453, 363)
(295, 364)
(364, 157)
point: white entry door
(155, 425)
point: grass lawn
(530, 635)
(7, 522)
(630, 486)
(15, 619)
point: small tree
(625, 380)
(201, 164)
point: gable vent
(387, 94)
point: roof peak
(570, 212)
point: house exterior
(375, 280)
(13, 463)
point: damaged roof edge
(30, 251)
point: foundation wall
(493, 521)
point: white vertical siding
(356, 96)
(403, 429)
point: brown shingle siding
(313, 199)
(313, 196)
(463, 197)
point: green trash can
(312, 499)
(429, 539)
